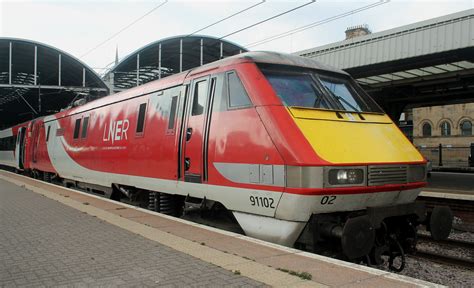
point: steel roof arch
(128, 75)
(62, 52)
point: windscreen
(315, 89)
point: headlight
(416, 173)
(346, 176)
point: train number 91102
(262, 201)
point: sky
(78, 26)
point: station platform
(448, 194)
(52, 236)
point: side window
(47, 133)
(85, 125)
(236, 91)
(141, 118)
(171, 120)
(7, 144)
(77, 127)
(199, 99)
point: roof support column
(159, 61)
(10, 65)
(180, 55)
(59, 70)
(138, 69)
(35, 73)
(201, 51)
(39, 99)
(222, 50)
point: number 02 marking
(328, 200)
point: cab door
(198, 111)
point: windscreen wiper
(339, 98)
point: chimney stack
(356, 31)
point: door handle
(189, 133)
(187, 164)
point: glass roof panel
(367, 81)
(392, 77)
(404, 74)
(449, 67)
(418, 72)
(464, 64)
(433, 70)
(378, 79)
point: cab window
(237, 95)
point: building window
(466, 128)
(445, 128)
(426, 130)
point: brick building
(448, 125)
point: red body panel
(261, 134)
(38, 157)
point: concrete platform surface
(85, 240)
(455, 194)
(46, 243)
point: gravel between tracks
(452, 276)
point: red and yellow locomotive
(294, 149)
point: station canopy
(166, 57)
(37, 79)
(427, 63)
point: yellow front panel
(353, 140)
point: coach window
(141, 118)
(47, 133)
(85, 125)
(77, 127)
(171, 120)
(199, 100)
(237, 96)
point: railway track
(462, 209)
(448, 244)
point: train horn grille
(387, 174)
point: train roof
(266, 57)
(263, 57)
(288, 60)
